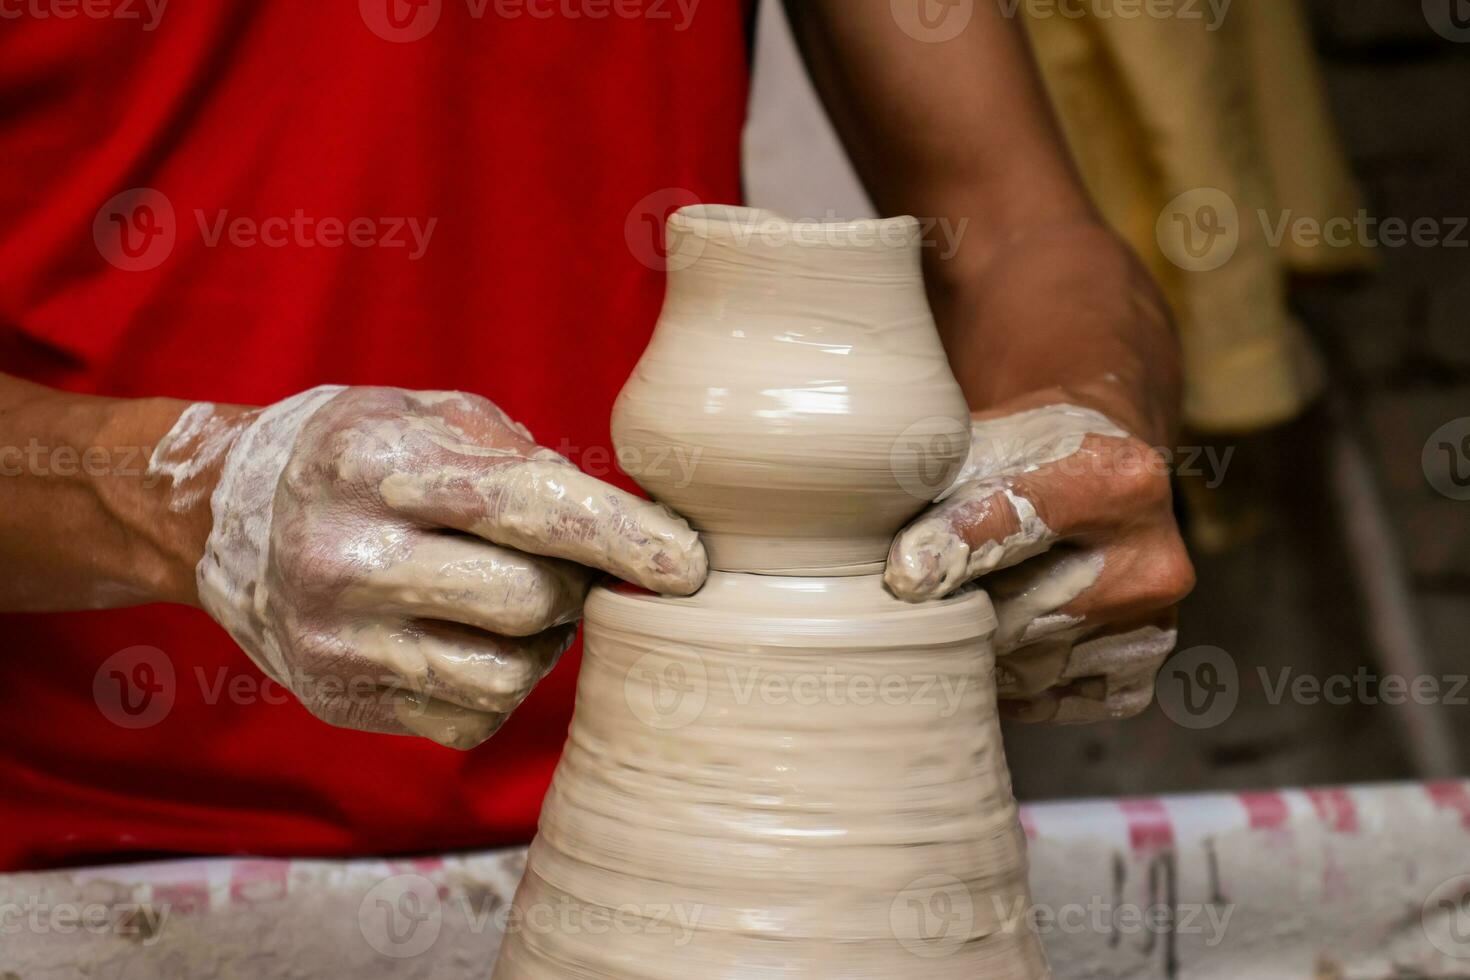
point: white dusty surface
(1295, 886)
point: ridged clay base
(779, 777)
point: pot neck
(712, 239)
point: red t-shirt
(434, 194)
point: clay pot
(779, 777)
(784, 776)
(795, 403)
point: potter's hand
(1068, 519)
(409, 562)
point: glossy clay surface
(806, 772)
(795, 403)
(782, 776)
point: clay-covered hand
(1068, 520)
(411, 562)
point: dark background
(1284, 588)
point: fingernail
(926, 562)
(688, 570)
(449, 725)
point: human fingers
(460, 579)
(383, 674)
(1105, 677)
(545, 506)
(1000, 521)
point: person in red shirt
(287, 288)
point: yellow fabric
(1187, 98)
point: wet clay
(797, 368)
(793, 776)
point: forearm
(1062, 314)
(1030, 289)
(84, 522)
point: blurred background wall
(1333, 607)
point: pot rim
(730, 221)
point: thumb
(984, 526)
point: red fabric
(532, 130)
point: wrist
(164, 507)
(1060, 313)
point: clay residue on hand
(353, 556)
(939, 552)
(550, 508)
